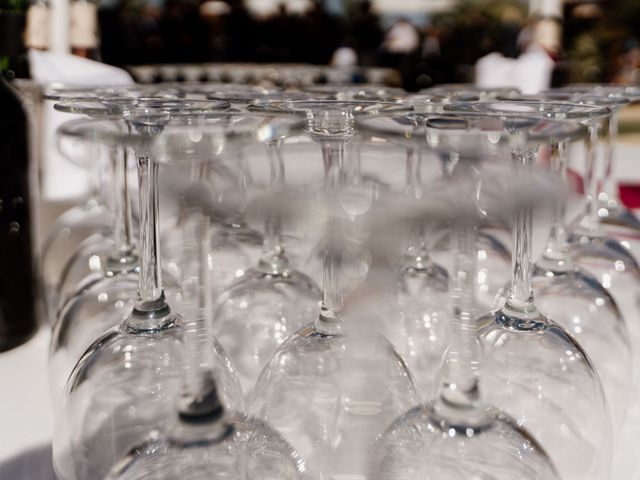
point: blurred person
(184, 32)
(323, 34)
(239, 27)
(213, 13)
(627, 64)
(130, 33)
(366, 33)
(402, 38)
(511, 25)
(285, 36)
(401, 50)
(431, 68)
(532, 70)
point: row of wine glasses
(324, 250)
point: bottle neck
(13, 56)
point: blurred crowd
(444, 49)
(183, 31)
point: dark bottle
(17, 288)
(13, 53)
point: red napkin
(630, 195)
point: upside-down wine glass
(272, 300)
(236, 247)
(611, 212)
(104, 298)
(125, 383)
(458, 435)
(416, 327)
(313, 389)
(532, 368)
(86, 226)
(494, 242)
(204, 439)
(564, 292)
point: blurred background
(422, 42)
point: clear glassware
(88, 223)
(611, 210)
(533, 369)
(124, 385)
(312, 390)
(564, 292)
(204, 439)
(86, 227)
(494, 242)
(273, 299)
(458, 435)
(90, 260)
(417, 326)
(104, 298)
(236, 247)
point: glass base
(619, 215)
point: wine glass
(533, 369)
(494, 243)
(273, 299)
(596, 251)
(416, 327)
(87, 226)
(564, 292)
(90, 259)
(205, 439)
(123, 385)
(312, 390)
(236, 247)
(611, 212)
(102, 299)
(458, 435)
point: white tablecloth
(26, 419)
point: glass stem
(200, 405)
(197, 299)
(521, 292)
(609, 192)
(590, 221)
(417, 251)
(122, 257)
(332, 300)
(98, 189)
(556, 250)
(151, 309)
(274, 260)
(459, 386)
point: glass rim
(410, 127)
(122, 106)
(564, 111)
(113, 131)
(69, 92)
(355, 107)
